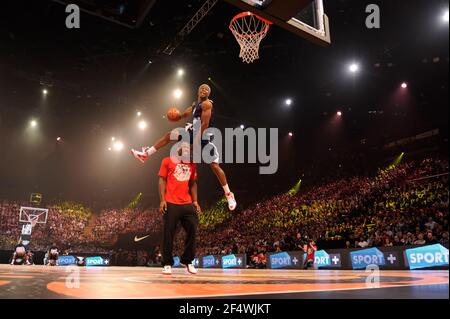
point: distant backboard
(306, 18)
(33, 214)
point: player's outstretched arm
(186, 113)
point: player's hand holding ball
(173, 114)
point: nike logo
(136, 239)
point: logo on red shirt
(182, 172)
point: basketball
(173, 114)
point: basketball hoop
(249, 29)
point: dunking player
(202, 110)
(178, 197)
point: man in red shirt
(310, 250)
(178, 197)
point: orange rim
(245, 14)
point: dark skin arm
(206, 114)
(162, 192)
(193, 192)
(187, 112)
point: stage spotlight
(353, 68)
(118, 146)
(142, 125)
(139, 114)
(180, 72)
(113, 138)
(291, 134)
(339, 113)
(242, 126)
(44, 91)
(33, 123)
(58, 138)
(288, 102)
(445, 16)
(177, 93)
(404, 85)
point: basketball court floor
(44, 282)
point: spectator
(430, 224)
(430, 240)
(420, 240)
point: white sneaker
(167, 270)
(231, 201)
(141, 156)
(191, 269)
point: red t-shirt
(310, 252)
(178, 175)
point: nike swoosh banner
(138, 241)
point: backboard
(33, 214)
(306, 18)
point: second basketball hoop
(249, 29)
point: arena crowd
(402, 205)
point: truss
(187, 29)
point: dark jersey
(197, 113)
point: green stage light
(294, 190)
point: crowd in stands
(398, 206)
(110, 223)
(392, 208)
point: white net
(249, 30)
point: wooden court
(38, 282)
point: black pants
(309, 263)
(189, 220)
